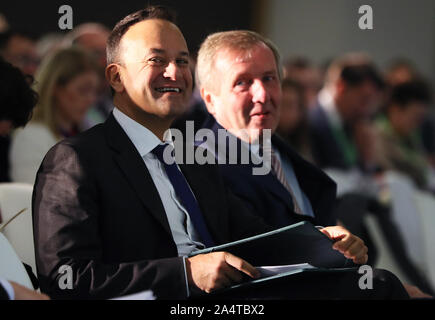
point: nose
(259, 92)
(171, 71)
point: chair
(426, 207)
(13, 198)
(11, 267)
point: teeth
(169, 90)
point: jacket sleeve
(66, 230)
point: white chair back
(13, 198)
(406, 215)
(11, 267)
(426, 207)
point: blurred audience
(399, 145)
(302, 71)
(340, 123)
(19, 49)
(344, 139)
(293, 121)
(3, 23)
(16, 104)
(92, 37)
(49, 43)
(67, 84)
(400, 71)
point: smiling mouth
(260, 114)
(168, 89)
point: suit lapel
(135, 171)
(268, 180)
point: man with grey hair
(244, 95)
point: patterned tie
(183, 191)
(278, 172)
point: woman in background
(67, 83)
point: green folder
(299, 243)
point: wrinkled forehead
(258, 55)
(152, 34)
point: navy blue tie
(183, 191)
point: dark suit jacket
(96, 209)
(268, 198)
(326, 150)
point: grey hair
(243, 40)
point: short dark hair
(355, 75)
(17, 99)
(414, 91)
(151, 12)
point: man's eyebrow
(162, 51)
(269, 72)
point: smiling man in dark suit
(105, 204)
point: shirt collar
(143, 139)
(327, 103)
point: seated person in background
(92, 37)
(19, 49)
(66, 83)
(343, 138)
(17, 101)
(400, 71)
(399, 145)
(16, 104)
(108, 205)
(350, 97)
(293, 121)
(308, 75)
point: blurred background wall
(196, 18)
(316, 29)
(321, 30)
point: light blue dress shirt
(183, 232)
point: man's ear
(208, 98)
(113, 76)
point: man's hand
(23, 293)
(348, 244)
(217, 270)
(416, 293)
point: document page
(267, 271)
